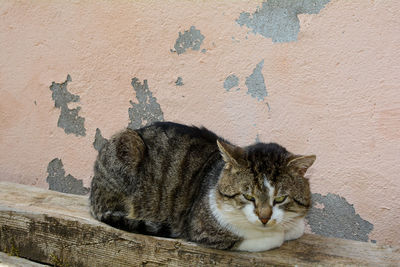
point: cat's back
(176, 152)
(162, 151)
(173, 170)
(166, 160)
(174, 137)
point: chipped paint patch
(147, 110)
(179, 81)
(235, 40)
(99, 140)
(255, 83)
(333, 216)
(69, 119)
(277, 19)
(59, 182)
(189, 39)
(230, 82)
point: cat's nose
(264, 220)
(265, 214)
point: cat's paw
(261, 244)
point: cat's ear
(232, 155)
(300, 164)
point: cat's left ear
(232, 155)
(300, 164)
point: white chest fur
(269, 240)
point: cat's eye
(280, 199)
(249, 197)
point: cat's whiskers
(290, 222)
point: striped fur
(158, 180)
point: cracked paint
(255, 83)
(147, 110)
(99, 140)
(69, 119)
(189, 39)
(333, 216)
(230, 82)
(179, 81)
(334, 91)
(277, 19)
(59, 182)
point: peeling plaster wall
(147, 110)
(278, 19)
(59, 182)
(189, 39)
(317, 76)
(69, 119)
(333, 216)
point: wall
(317, 76)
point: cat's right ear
(299, 164)
(233, 155)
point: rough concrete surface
(99, 140)
(147, 110)
(59, 182)
(191, 38)
(277, 19)
(230, 82)
(179, 81)
(255, 83)
(69, 119)
(333, 216)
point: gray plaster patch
(69, 119)
(231, 81)
(59, 182)
(235, 40)
(333, 216)
(255, 83)
(147, 110)
(189, 39)
(277, 19)
(269, 107)
(179, 81)
(99, 140)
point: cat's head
(263, 185)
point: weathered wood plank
(8, 261)
(56, 228)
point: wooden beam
(8, 261)
(56, 228)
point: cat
(179, 181)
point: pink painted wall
(334, 91)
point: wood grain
(8, 261)
(56, 228)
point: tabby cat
(178, 181)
